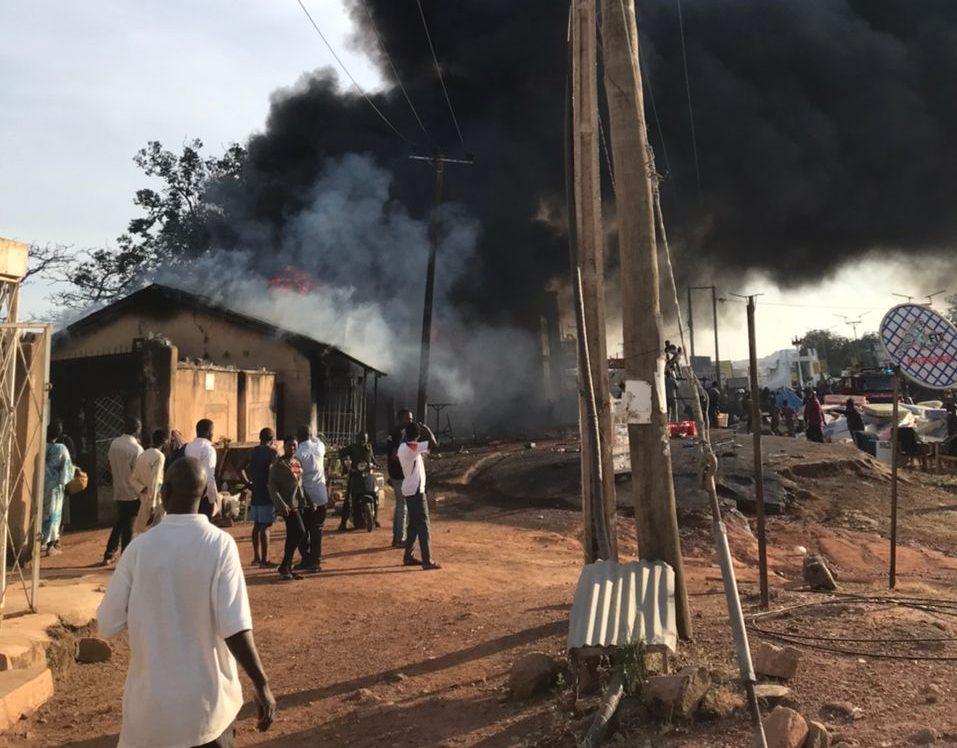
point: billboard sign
(923, 344)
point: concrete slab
(73, 601)
(22, 692)
(19, 653)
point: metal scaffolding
(24, 414)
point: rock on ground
(776, 662)
(530, 675)
(817, 574)
(924, 737)
(93, 649)
(785, 728)
(817, 736)
(677, 695)
(772, 693)
(720, 703)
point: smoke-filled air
(823, 131)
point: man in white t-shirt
(413, 489)
(122, 455)
(311, 453)
(179, 590)
(202, 449)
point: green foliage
(178, 220)
(633, 667)
(838, 353)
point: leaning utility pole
(655, 510)
(597, 467)
(438, 163)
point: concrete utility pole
(438, 163)
(655, 511)
(589, 258)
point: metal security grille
(108, 417)
(344, 414)
(24, 396)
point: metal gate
(109, 415)
(24, 414)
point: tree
(178, 221)
(952, 308)
(48, 260)
(838, 353)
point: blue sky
(84, 85)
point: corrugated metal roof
(618, 604)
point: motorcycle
(363, 492)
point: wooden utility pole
(438, 163)
(756, 430)
(648, 435)
(895, 460)
(589, 257)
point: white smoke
(368, 257)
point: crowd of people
(179, 588)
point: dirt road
(369, 652)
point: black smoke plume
(825, 129)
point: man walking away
(814, 419)
(400, 514)
(413, 489)
(59, 471)
(202, 449)
(285, 489)
(179, 591)
(854, 420)
(122, 456)
(147, 480)
(312, 456)
(261, 510)
(790, 418)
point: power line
(395, 73)
(684, 58)
(438, 72)
(349, 75)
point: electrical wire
(438, 71)
(684, 58)
(395, 73)
(646, 78)
(831, 643)
(349, 75)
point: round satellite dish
(923, 344)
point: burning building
(172, 358)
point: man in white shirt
(122, 456)
(311, 454)
(180, 592)
(148, 479)
(413, 489)
(202, 449)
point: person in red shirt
(814, 419)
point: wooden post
(895, 417)
(758, 459)
(717, 354)
(586, 228)
(690, 329)
(650, 447)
